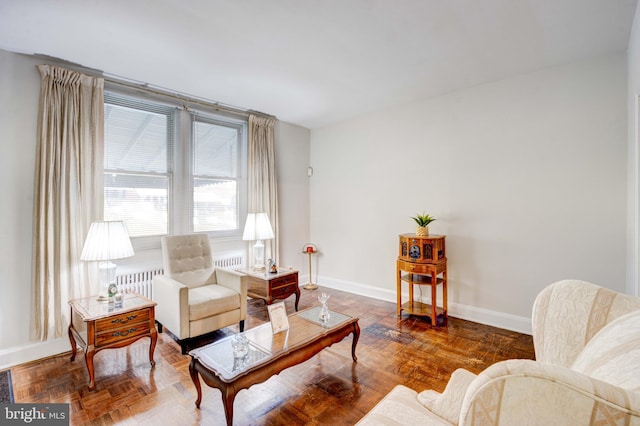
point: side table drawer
(284, 291)
(118, 321)
(114, 335)
(283, 281)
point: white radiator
(142, 282)
(138, 282)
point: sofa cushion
(613, 354)
(401, 407)
(211, 300)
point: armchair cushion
(209, 300)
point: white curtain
(68, 193)
(262, 190)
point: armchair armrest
(237, 282)
(173, 305)
(519, 391)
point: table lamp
(256, 229)
(105, 242)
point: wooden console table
(422, 262)
(98, 325)
(271, 286)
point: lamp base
(310, 286)
(107, 274)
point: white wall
(292, 160)
(527, 177)
(633, 188)
(19, 93)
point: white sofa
(194, 297)
(586, 372)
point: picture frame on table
(278, 317)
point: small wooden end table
(98, 325)
(271, 286)
(431, 274)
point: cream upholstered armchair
(586, 372)
(194, 297)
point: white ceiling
(316, 62)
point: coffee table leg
(356, 336)
(196, 381)
(228, 396)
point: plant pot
(422, 231)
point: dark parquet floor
(328, 389)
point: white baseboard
(33, 351)
(466, 312)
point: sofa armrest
(173, 305)
(447, 404)
(513, 391)
(237, 282)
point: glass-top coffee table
(268, 353)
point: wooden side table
(271, 286)
(99, 325)
(431, 274)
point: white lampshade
(107, 241)
(257, 227)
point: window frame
(180, 161)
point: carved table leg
(73, 345)
(297, 296)
(356, 336)
(196, 381)
(228, 396)
(88, 357)
(152, 346)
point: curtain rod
(149, 88)
(146, 87)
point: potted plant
(423, 220)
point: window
(169, 169)
(216, 148)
